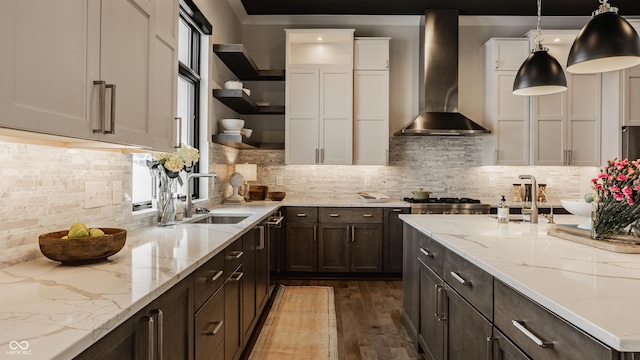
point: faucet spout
(534, 206)
(189, 204)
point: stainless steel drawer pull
(425, 252)
(460, 279)
(367, 215)
(531, 336)
(149, 330)
(160, 331)
(215, 329)
(397, 210)
(301, 215)
(334, 215)
(236, 276)
(235, 255)
(217, 276)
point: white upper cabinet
(371, 101)
(630, 103)
(319, 97)
(371, 53)
(104, 70)
(507, 115)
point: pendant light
(607, 43)
(541, 73)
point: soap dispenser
(503, 211)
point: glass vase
(612, 218)
(167, 200)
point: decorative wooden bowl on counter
(81, 251)
(276, 195)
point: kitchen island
(594, 290)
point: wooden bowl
(276, 195)
(258, 192)
(82, 251)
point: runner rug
(301, 325)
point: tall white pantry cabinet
(319, 96)
(94, 70)
(371, 101)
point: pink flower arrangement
(618, 180)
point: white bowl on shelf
(232, 124)
(579, 207)
(247, 132)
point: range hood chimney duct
(439, 80)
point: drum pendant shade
(540, 74)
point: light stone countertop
(596, 290)
(50, 311)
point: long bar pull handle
(178, 138)
(301, 215)
(236, 276)
(217, 276)
(315, 233)
(112, 123)
(261, 246)
(425, 252)
(317, 155)
(353, 233)
(101, 106)
(149, 329)
(489, 347)
(437, 300)
(442, 305)
(160, 326)
(367, 215)
(215, 329)
(531, 336)
(397, 210)
(235, 255)
(460, 279)
(334, 215)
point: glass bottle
(503, 211)
(542, 193)
(517, 195)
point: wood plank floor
(368, 314)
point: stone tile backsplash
(43, 187)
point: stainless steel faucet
(533, 212)
(189, 204)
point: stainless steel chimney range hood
(438, 72)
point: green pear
(78, 232)
(95, 232)
(78, 225)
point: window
(193, 29)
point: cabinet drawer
(209, 325)
(350, 215)
(526, 322)
(473, 283)
(431, 253)
(503, 348)
(233, 257)
(208, 279)
(302, 214)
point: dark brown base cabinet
(163, 327)
(454, 310)
(392, 240)
(301, 249)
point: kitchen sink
(220, 219)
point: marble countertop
(50, 311)
(596, 290)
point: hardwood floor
(368, 314)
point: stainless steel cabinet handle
(315, 233)
(217, 276)
(160, 325)
(215, 329)
(436, 293)
(489, 347)
(531, 336)
(235, 255)
(101, 104)
(236, 276)
(301, 215)
(367, 215)
(442, 311)
(149, 329)
(425, 252)
(277, 221)
(460, 279)
(261, 246)
(178, 138)
(334, 215)
(353, 233)
(112, 126)
(397, 210)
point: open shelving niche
(236, 58)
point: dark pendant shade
(540, 74)
(606, 43)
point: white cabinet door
(507, 54)
(301, 120)
(48, 61)
(631, 94)
(371, 117)
(510, 122)
(549, 130)
(584, 120)
(336, 116)
(371, 54)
